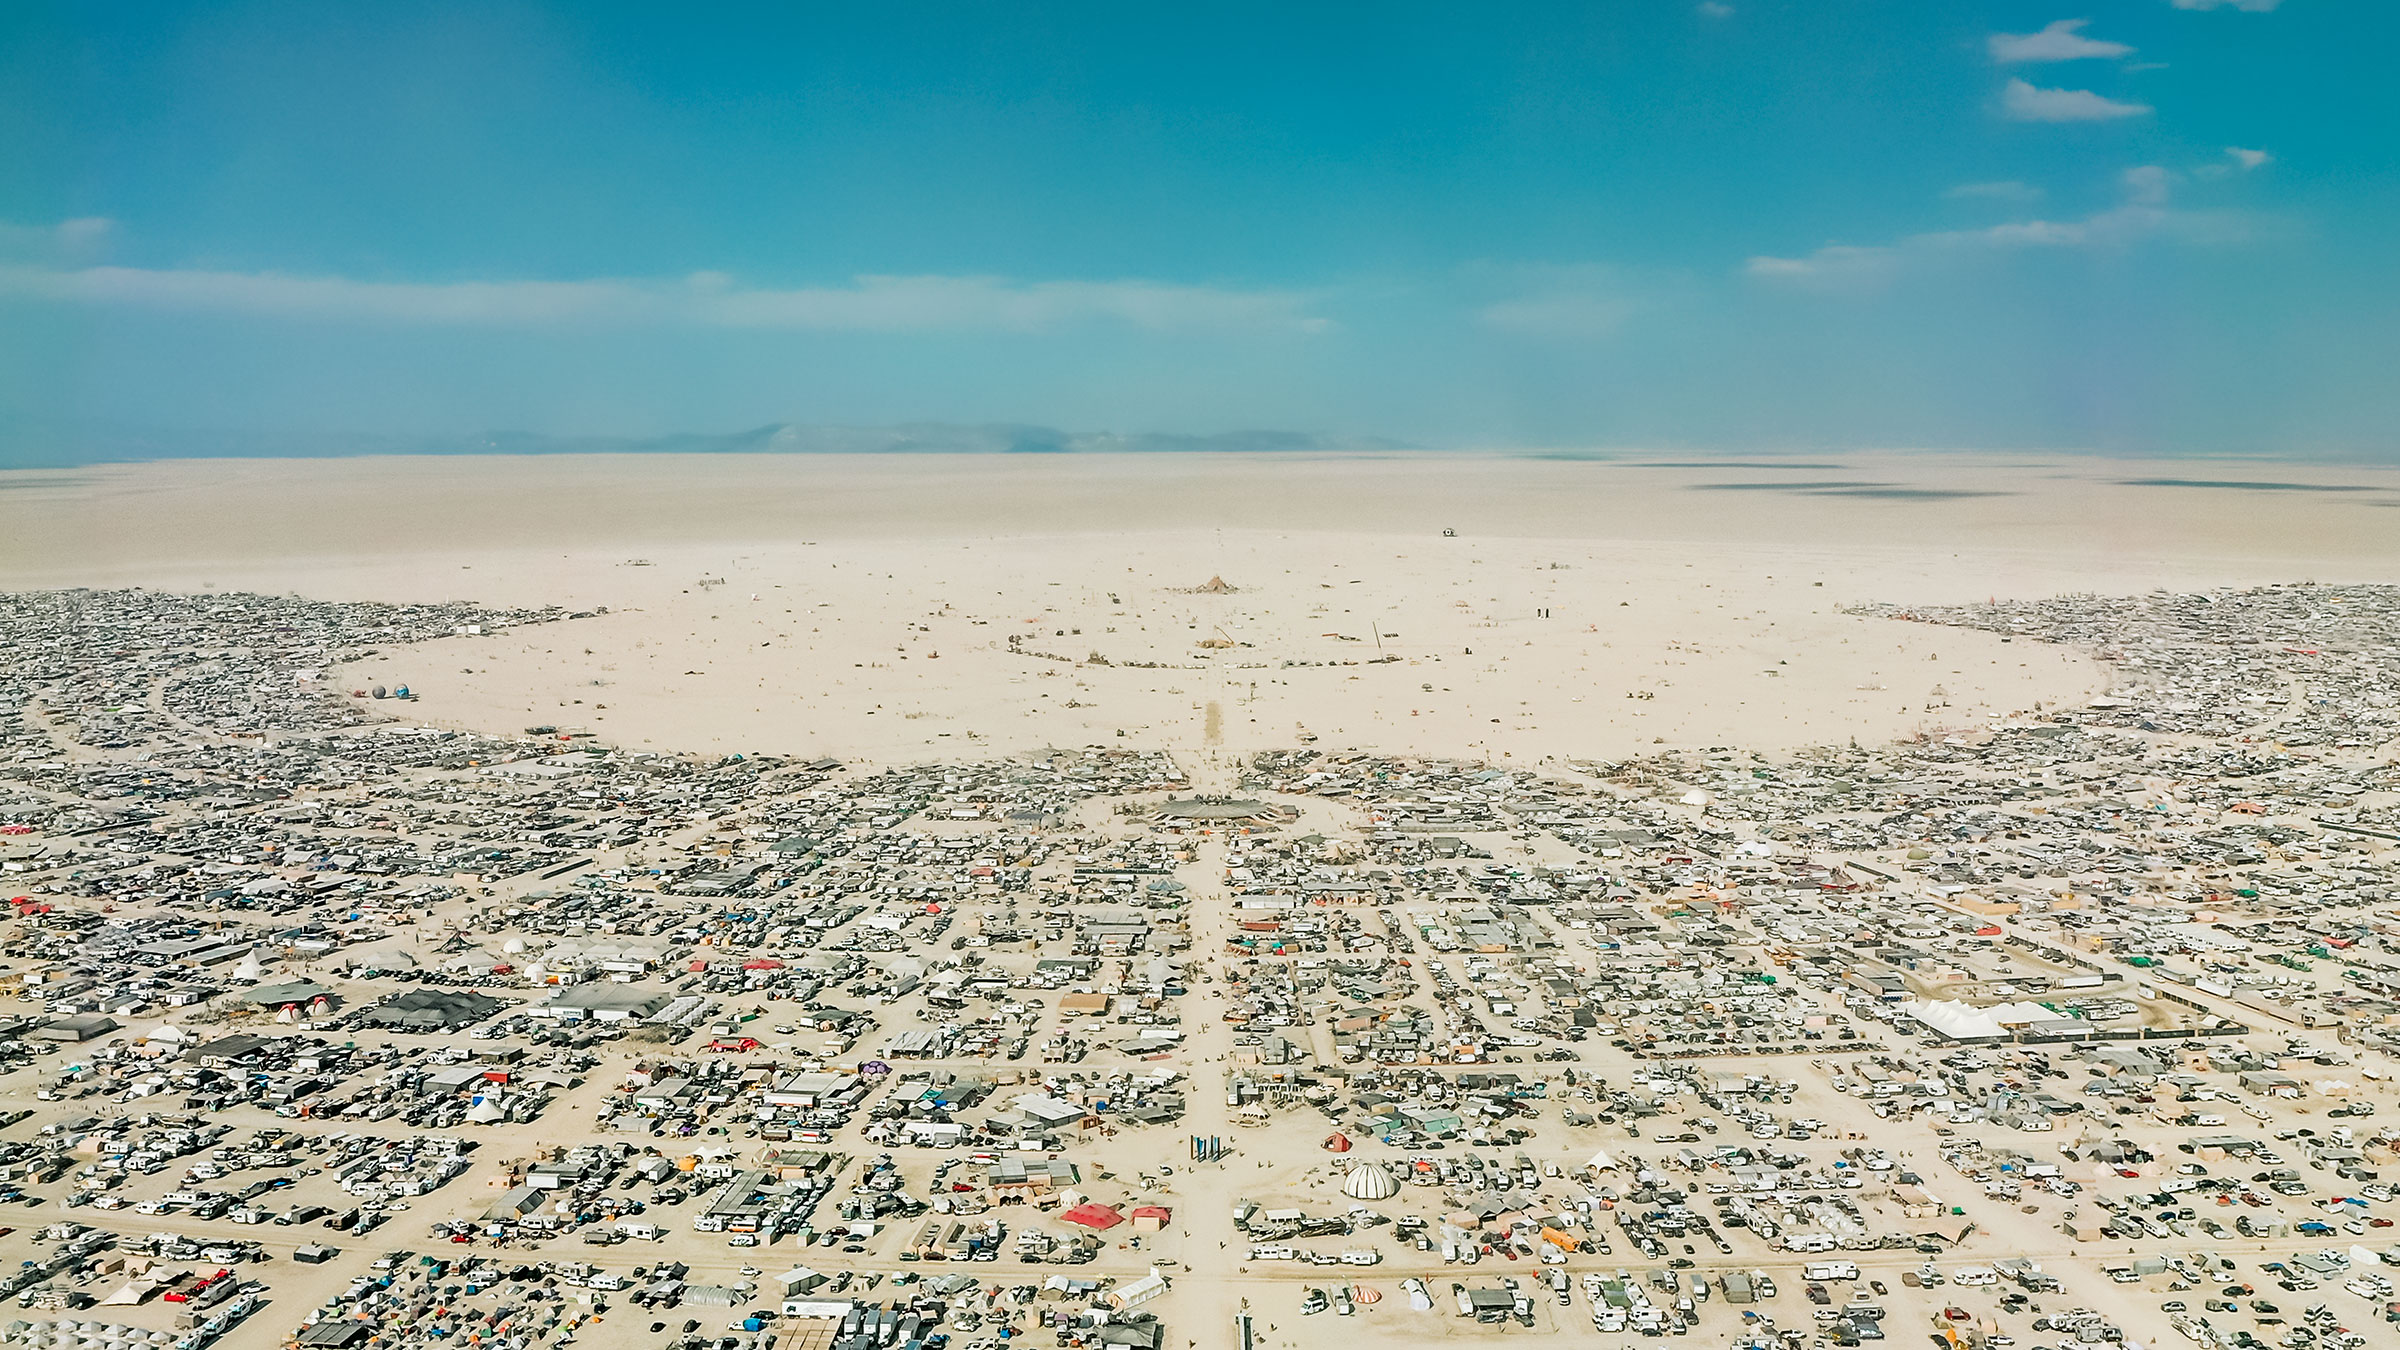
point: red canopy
(1099, 1218)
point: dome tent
(1371, 1182)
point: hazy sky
(2124, 224)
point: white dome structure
(1370, 1182)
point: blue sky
(2133, 225)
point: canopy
(1098, 1218)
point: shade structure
(1370, 1182)
(1098, 1218)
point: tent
(1137, 1292)
(1963, 1022)
(1337, 1142)
(1370, 1182)
(1098, 1218)
(378, 956)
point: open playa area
(1177, 901)
(895, 608)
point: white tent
(1958, 1021)
(1370, 1181)
(379, 956)
(1964, 1021)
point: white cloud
(1834, 263)
(76, 240)
(2252, 6)
(2060, 41)
(2009, 190)
(2143, 214)
(2145, 185)
(932, 302)
(2249, 159)
(1578, 300)
(2023, 102)
(867, 304)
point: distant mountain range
(27, 446)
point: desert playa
(1495, 896)
(905, 608)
